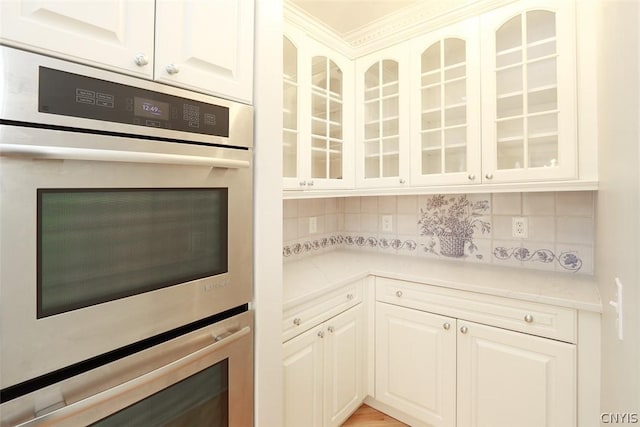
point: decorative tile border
(567, 260)
(334, 242)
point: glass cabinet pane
(326, 119)
(290, 110)
(527, 96)
(444, 107)
(381, 126)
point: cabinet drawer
(532, 318)
(305, 316)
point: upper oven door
(101, 247)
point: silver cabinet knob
(172, 69)
(141, 60)
(446, 326)
(398, 294)
(303, 183)
(528, 318)
(331, 329)
(310, 183)
(349, 297)
(403, 181)
(464, 329)
(471, 177)
(297, 321)
(489, 176)
(321, 334)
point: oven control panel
(69, 94)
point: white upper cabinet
(203, 45)
(529, 92)
(111, 34)
(317, 116)
(382, 119)
(206, 45)
(445, 109)
(484, 102)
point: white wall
(268, 213)
(618, 214)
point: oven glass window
(200, 400)
(99, 245)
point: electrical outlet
(313, 224)
(387, 223)
(520, 227)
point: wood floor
(366, 416)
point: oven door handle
(92, 154)
(107, 402)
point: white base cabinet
(416, 363)
(508, 378)
(323, 371)
(448, 371)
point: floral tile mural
(465, 227)
(452, 221)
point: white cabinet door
(510, 379)
(529, 92)
(382, 118)
(344, 363)
(303, 366)
(206, 45)
(445, 106)
(416, 363)
(108, 34)
(317, 117)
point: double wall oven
(125, 250)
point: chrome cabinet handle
(349, 297)
(141, 60)
(489, 176)
(331, 329)
(528, 318)
(446, 326)
(471, 177)
(403, 181)
(464, 329)
(399, 294)
(321, 334)
(310, 183)
(172, 69)
(303, 183)
(297, 321)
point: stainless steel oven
(201, 378)
(125, 213)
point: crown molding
(301, 19)
(406, 23)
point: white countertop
(310, 277)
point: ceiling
(346, 16)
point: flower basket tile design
(452, 221)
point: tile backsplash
(463, 227)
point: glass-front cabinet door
(382, 150)
(446, 147)
(290, 162)
(327, 120)
(317, 111)
(529, 99)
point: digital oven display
(151, 109)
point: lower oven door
(203, 378)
